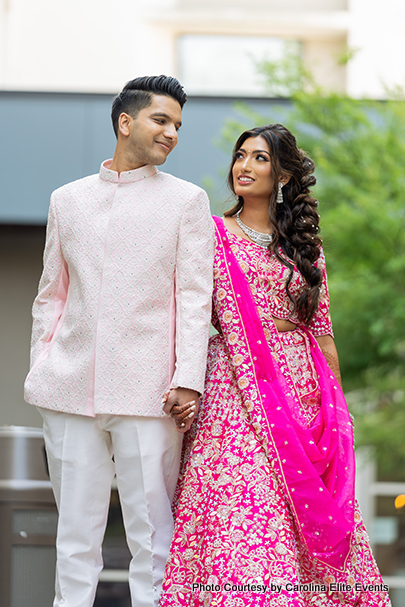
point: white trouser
(146, 461)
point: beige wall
(321, 56)
(20, 268)
(377, 32)
(274, 5)
(97, 45)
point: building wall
(377, 32)
(20, 267)
(97, 45)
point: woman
(266, 513)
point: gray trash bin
(28, 520)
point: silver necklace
(260, 238)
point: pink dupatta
(315, 466)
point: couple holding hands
(253, 450)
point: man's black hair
(137, 94)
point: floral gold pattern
(235, 525)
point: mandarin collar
(126, 176)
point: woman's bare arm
(327, 345)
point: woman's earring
(280, 198)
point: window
(226, 65)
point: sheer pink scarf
(315, 465)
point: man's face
(153, 133)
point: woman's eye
(261, 157)
(238, 155)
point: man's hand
(182, 404)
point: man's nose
(171, 132)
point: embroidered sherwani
(124, 300)
(122, 314)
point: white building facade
(210, 45)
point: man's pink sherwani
(123, 308)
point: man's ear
(124, 124)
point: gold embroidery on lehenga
(234, 525)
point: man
(122, 316)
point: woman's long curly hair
(296, 220)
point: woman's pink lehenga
(265, 508)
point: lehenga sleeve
(321, 323)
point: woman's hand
(182, 404)
(327, 345)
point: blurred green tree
(359, 150)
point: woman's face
(251, 172)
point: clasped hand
(182, 404)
